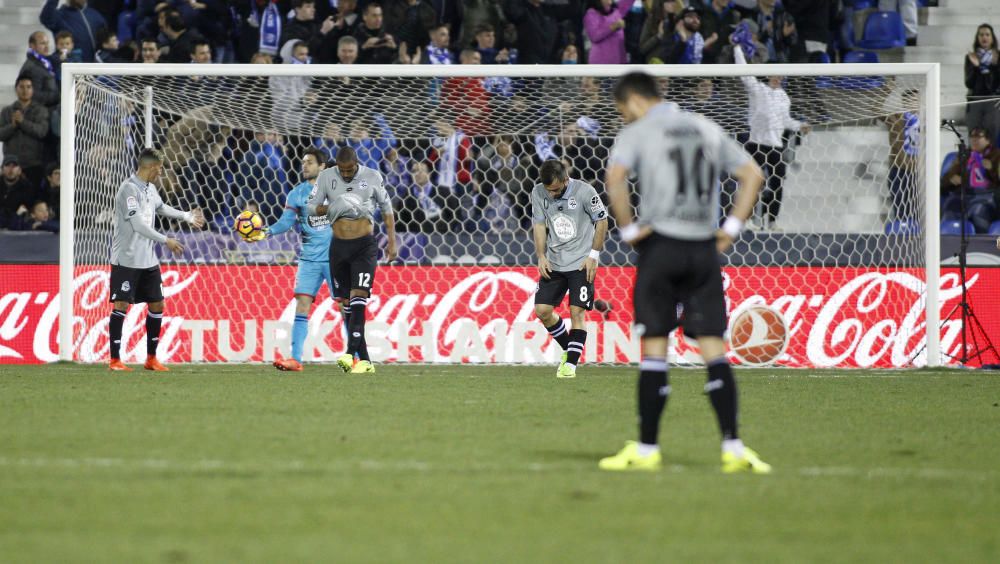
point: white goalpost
(845, 244)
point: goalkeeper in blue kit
(314, 264)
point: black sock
(653, 394)
(115, 333)
(577, 338)
(153, 323)
(356, 327)
(345, 313)
(559, 333)
(721, 390)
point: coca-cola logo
(835, 316)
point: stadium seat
(883, 30)
(994, 228)
(954, 227)
(823, 81)
(902, 227)
(862, 4)
(861, 57)
(948, 160)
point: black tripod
(971, 327)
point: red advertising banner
(837, 316)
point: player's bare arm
(621, 208)
(750, 179)
(544, 268)
(590, 263)
(391, 252)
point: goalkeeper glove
(264, 233)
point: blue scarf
(42, 59)
(693, 51)
(270, 29)
(438, 56)
(742, 37)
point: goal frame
(930, 72)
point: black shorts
(552, 290)
(136, 285)
(672, 272)
(352, 264)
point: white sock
(733, 446)
(646, 450)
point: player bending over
(314, 253)
(352, 192)
(570, 223)
(135, 270)
(678, 158)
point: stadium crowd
(465, 173)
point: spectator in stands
(49, 190)
(744, 35)
(77, 18)
(569, 55)
(662, 19)
(150, 51)
(438, 51)
(686, 45)
(201, 52)
(907, 11)
(904, 152)
(812, 21)
(16, 193)
(39, 68)
(485, 43)
(777, 32)
(110, 50)
(371, 151)
(291, 95)
(181, 39)
(982, 194)
(262, 175)
(344, 23)
(331, 141)
(259, 58)
(452, 157)
(604, 24)
(770, 117)
(347, 50)
(304, 26)
(537, 32)
(419, 204)
(377, 46)
(718, 18)
(467, 99)
(23, 128)
(396, 170)
(982, 78)
(409, 21)
(503, 170)
(477, 15)
(66, 52)
(38, 219)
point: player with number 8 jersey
(570, 224)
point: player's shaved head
(635, 84)
(347, 163)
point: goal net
(838, 244)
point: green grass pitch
(490, 464)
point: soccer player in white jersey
(678, 157)
(352, 192)
(135, 269)
(570, 223)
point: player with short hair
(314, 252)
(352, 192)
(678, 157)
(570, 224)
(135, 270)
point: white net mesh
(460, 156)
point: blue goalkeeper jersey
(315, 229)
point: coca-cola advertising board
(837, 316)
